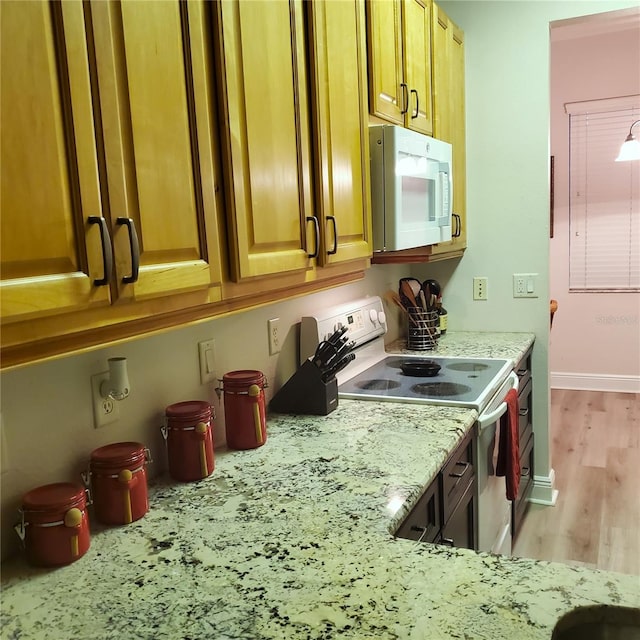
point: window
(604, 197)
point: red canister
(55, 524)
(245, 413)
(119, 482)
(189, 438)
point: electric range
(377, 375)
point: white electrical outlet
(206, 350)
(274, 335)
(105, 410)
(480, 288)
(525, 285)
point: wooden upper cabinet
(399, 36)
(51, 255)
(416, 29)
(265, 132)
(449, 116)
(387, 89)
(340, 129)
(151, 67)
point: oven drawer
(457, 474)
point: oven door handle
(487, 419)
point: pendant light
(630, 149)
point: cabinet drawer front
(457, 475)
(525, 423)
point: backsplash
(47, 411)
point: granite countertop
(293, 540)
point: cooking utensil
(420, 368)
(406, 291)
(434, 286)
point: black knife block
(306, 393)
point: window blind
(604, 199)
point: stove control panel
(365, 320)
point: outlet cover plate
(274, 336)
(105, 410)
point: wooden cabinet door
(449, 116)
(416, 30)
(388, 93)
(265, 130)
(51, 255)
(340, 129)
(150, 58)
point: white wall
(508, 122)
(595, 341)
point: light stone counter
(474, 344)
(292, 540)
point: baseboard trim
(594, 382)
(543, 490)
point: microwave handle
(458, 229)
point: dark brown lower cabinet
(526, 437)
(459, 531)
(446, 511)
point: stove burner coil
(440, 389)
(467, 366)
(378, 385)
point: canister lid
(189, 412)
(118, 453)
(59, 496)
(242, 378)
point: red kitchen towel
(508, 464)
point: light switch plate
(207, 354)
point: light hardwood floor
(595, 453)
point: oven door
(494, 510)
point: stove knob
(382, 318)
(373, 314)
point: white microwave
(411, 187)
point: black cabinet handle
(316, 226)
(458, 225)
(135, 249)
(448, 541)
(415, 115)
(524, 472)
(335, 236)
(107, 256)
(521, 372)
(405, 98)
(466, 465)
(523, 412)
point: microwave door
(415, 221)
